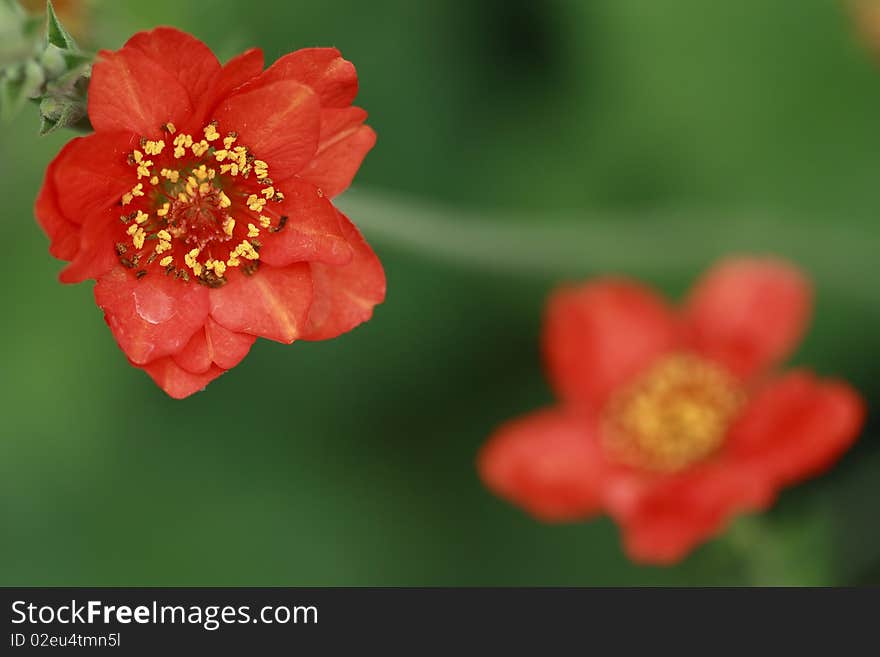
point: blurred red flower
(201, 204)
(671, 421)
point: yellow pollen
(200, 148)
(143, 170)
(154, 147)
(137, 155)
(224, 200)
(138, 238)
(265, 222)
(167, 260)
(137, 190)
(253, 231)
(674, 415)
(228, 142)
(256, 203)
(201, 173)
(218, 266)
(171, 174)
(132, 229)
(192, 263)
(268, 192)
(247, 250)
(211, 132)
(169, 127)
(161, 212)
(211, 174)
(204, 188)
(163, 246)
(220, 155)
(228, 225)
(181, 143)
(141, 217)
(154, 180)
(164, 235)
(183, 198)
(233, 261)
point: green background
(520, 144)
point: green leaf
(55, 31)
(75, 59)
(47, 126)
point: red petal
(182, 56)
(214, 345)
(79, 202)
(279, 122)
(796, 427)
(547, 462)
(345, 295)
(273, 303)
(95, 256)
(152, 317)
(90, 175)
(63, 234)
(344, 143)
(175, 380)
(136, 94)
(598, 336)
(312, 232)
(333, 78)
(237, 71)
(664, 517)
(748, 313)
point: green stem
(587, 242)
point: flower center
(198, 209)
(675, 414)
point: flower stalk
(49, 70)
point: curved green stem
(585, 242)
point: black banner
(413, 621)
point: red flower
(671, 422)
(201, 204)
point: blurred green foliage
(350, 462)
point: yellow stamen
(256, 203)
(228, 226)
(211, 132)
(154, 147)
(253, 231)
(200, 148)
(167, 260)
(192, 263)
(138, 238)
(163, 211)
